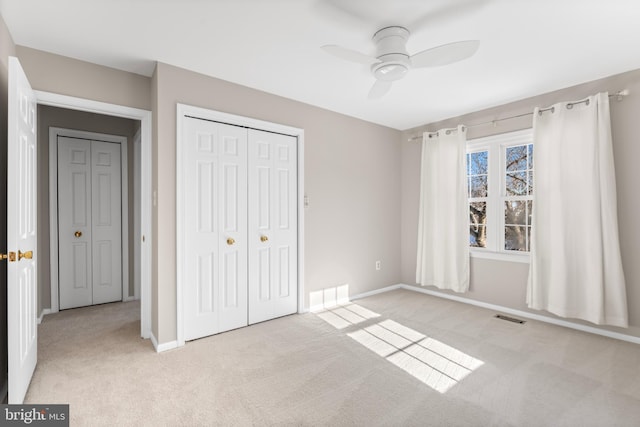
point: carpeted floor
(395, 359)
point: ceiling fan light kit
(392, 61)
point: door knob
(230, 241)
(263, 238)
(11, 256)
(78, 233)
(27, 255)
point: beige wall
(504, 283)
(67, 76)
(78, 120)
(352, 179)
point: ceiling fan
(392, 61)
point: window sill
(499, 256)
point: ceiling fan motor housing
(391, 51)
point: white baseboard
(164, 346)
(129, 298)
(376, 292)
(43, 313)
(519, 313)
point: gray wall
(352, 179)
(504, 283)
(78, 120)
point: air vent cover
(509, 319)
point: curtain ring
(553, 110)
(569, 106)
(588, 100)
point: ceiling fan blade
(445, 54)
(349, 55)
(379, 89)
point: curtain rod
(618, 95)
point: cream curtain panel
(576, 268)
(443, 224)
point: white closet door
(106, 222)
(74, 222)
(273, 226)
(215, 225)
(89, 222)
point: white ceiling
(528, 47)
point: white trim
(202, 113)
(44, 312)
(499, 256)
(144, 116)
(375, 292)
(159, 348)
(54, 132)
(520, 313)
(137, 234)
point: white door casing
(272, 164)
(214, 205)
(21, 233)
(89, 222)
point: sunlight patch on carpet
(433, 362)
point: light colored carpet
(395, 359)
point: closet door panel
(106, 209)
(214, 206)
(74, 223)
(273, 233)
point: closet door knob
(263, 238)
(78, 233)
(27, 255)
(230, 241)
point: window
(500, 182)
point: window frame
(496, 146)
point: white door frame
(232, 119)
(54, 132)
(144, 116)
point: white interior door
(89, 222)
(273, 235)
(21, 233)
(214, 222)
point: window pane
(477, 224)
(478, 163)
(516, 158)
(478, 186)
(515, 212)
(530, 146)
(516, 184)
(478, 237)
(529, 210)
(515, 238)
(530, 183)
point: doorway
(142, 235)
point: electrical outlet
(378, 265)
